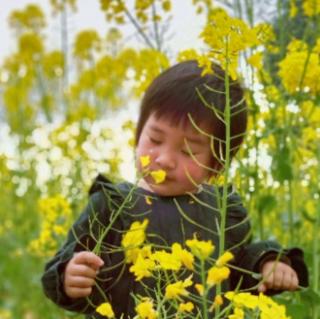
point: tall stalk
(65, 51)
(315, 244)
(224, 202)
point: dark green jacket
(171, 219)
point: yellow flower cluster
(145, 263)
(186, 307)
(145, 309)
(177, 289)
(31, 47)
(147, 64)
(202, 5)
(219, 272)
(227, 37)
(56, 219)
(200, 248)
(59, 5)
(116, 10)
(300, 69)
(262, 304)
(133, 239)
(53, 64)
(311, 7)
(31, 18)
(86, 43)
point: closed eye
(189, 153)
(154, 141)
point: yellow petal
(105, 310)
(145, 161)
(148, 200)
(158, 176)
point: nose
(165, 160)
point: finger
(294, 282)
(268, 278)
(79, 282)
(83, 271)
(278, 279)
(88, 258)
(262, 287)
(287, 280)
(74, 292)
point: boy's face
(169, 148)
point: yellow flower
(133, 238)
(293, 8)
(218, 301)
(186, 307)
(158, 176)
(144, 161)
(145, 309)
(166, 5)
(199, 248)
(184, 256)
(200, 289)
(105, 310)
(268, 308)
(256, 60)
(166, 260)
(311, 7)
(142, 267)
(190, 54)
(86, 42)
(177, 289)
(204, 62)
(227, 37)
(223, 259)
(217, 274)
(300, 70)
(148, 200)
(237, 314)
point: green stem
(138, 28)
(205, 291)
(290, 213)
(315, 247)
(156, 28)
(227, 116)
(96, 249)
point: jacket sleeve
(252, 256)
(249, 256)
(82, 236)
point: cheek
(195, 171)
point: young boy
(181, 134)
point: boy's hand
(278, 276)
(80, 273)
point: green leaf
(266, 203)
(281, 165)
(309, 296)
